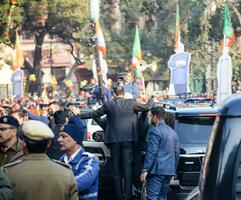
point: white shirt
(68, 160)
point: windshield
(195, 129)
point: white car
(93, 127)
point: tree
(11, 16)
(61, 18)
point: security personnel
(10, 149)
(84, 165)
(36, 176)
(161, 157)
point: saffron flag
(228, 31)
(178, 32)
(101, 40)
(136, 51)
(102, 53)
(18, 57)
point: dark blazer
(122, 114)
(162, 151)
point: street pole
(51, 58)
(94, 6)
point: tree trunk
(39, 39)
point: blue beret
(9, 120)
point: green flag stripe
(228, 28)
(137, 44)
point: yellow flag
(18, 58)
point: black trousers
(122, 157)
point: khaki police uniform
(36, 176)
(12, 154)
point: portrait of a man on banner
(179, 68)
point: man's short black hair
(60, 117)
(54, 103)
(36, 146)
(119, 90)
(159, 112)
(21, 113)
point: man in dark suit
(120, 136)
(161, 157)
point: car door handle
(189, 163)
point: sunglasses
(5, 128)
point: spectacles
(5, 128)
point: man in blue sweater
(83, 164)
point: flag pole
(225, 46)
(94, 6)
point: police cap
(36, 130)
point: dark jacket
(122, 117)
(6, 189)
(106, 91)
(162, 151)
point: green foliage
(59, 17)
(8, 23)
(201, 29)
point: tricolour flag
(101, 40)
(18, 57)
(102, 54)
(178, 32)
(228, 31)
(136, 51)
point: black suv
(221, 171)
(193, 126)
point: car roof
(232, 106)
(197, 110)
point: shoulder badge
(88, 154)
(13, 163)
(61, 163)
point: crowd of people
(41, 145)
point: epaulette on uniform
(61, 163)
(88, 154)
(12, 163)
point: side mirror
(98, 136)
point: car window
(195, 129)
(169, 119)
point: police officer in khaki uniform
(36, 176)
(10, 149)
